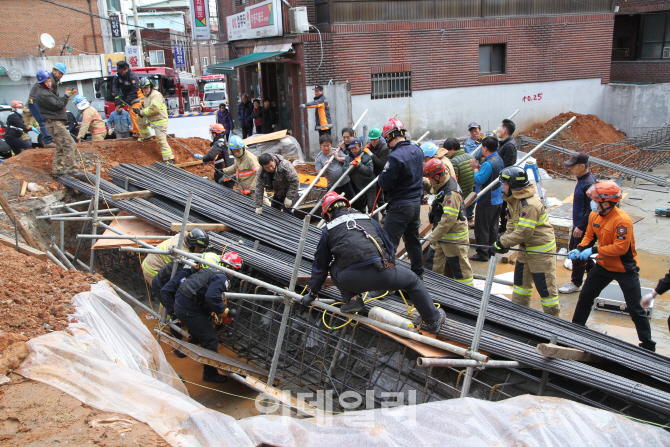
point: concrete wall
(339, 99)
(636, 109)
(447, 112)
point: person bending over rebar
(199, 299)
(165, 286)
(195, 241)
(360, 257)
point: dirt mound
(34, 165)
(306, 169)
(585, 129)
(35, 295)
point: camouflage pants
(64, 161)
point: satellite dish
(47, 40)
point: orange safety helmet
(331, 199)
(16, 105)
(217, 128)
(607, 191)
(433, 167)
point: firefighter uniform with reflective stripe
(155, 110)
(154, 262)
(246, 168)
(91, 120)
(528, 226)
(450, 225)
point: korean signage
(237, 26)
(200, 19)
(109, 61)
(258, 21)
(115, 25)
(179, 59)
(134, 56)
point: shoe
(479, 258)
(353, 305)
(434, 328)
(179, 354)
(169, 162)
(569, 287)
(214, 378)
(651, 347)
(76, 173)
(135, 135)
(57, 174)
(471, 223)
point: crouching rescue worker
(200, 298)
(15, 130)
(195, 241)
(528, 226)
(360, 257)
(447, 215)
(245, 166)
(616, 261)
(219, 154)
(280, 176)
(154, 113)
(90, 120)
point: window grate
(391, 85)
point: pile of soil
(34, 165)
(35, 295)
(586, 129)
(306, 169)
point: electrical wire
(321, 44)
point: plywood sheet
(266, 137)
(135, 227)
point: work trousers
(599, 278)
(46, 136)
(470, 211)
(247, 131)
(161, 137)
(134, 116)
(404, 220)
(324, 132)
(541, 270)
(357, 281)
(100, 136)
(579, 267)
(202, 330)
(456, 256)
(64, 161)
(487, 221)
(17, 145)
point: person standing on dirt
(15, 130)
(224, 118)
(219, 154)
(321, 111)
(154, 114)
(52, 109)
(119, 121)
(199, 300)
(90, 120)
(581, 210)
(126, 87)
(244, 111)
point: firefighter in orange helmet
(612, 228)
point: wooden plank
(424, 350)
(423, 230)
(510, 256)
(23, 248)
(176, 226)
(133, 195)
(561, 352)
(303, 280)
(26, 235)
(267, 137)
(188, 163)
(23, 189)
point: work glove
(117, 97)
(586, 254)
(499, 248)
(307, 299)
(219, 318)
(199, 156)
(259, 210)
(140, 112)
(302, 106)
(574, 254)
(367, 150)
(69, 92)
(36, 130)
(110, 131)
(288, 203)
(355, 161)
(646, 300)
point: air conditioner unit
(298, 20)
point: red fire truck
(180, 91)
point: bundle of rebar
(522, 327)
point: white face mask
(19, 111)
(595, 207)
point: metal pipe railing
(425, 362)
(316, 179)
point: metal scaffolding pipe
(477, 152)
(316, 179)
(53, 259)
(62, 257)
(257, 297)
(425, 362)
(83, 202)
(337, 183)
(70, 256)
(154, 251)
(89, 219)
(116, 236)
(356, 197)
(76, 213)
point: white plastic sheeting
(104, 364)
(521, 421)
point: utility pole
(138, 35)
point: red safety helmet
(232, 260)
(16, 105)
(607, 191)
(330, 200)
(433, 167)
(217, 128)
(394, 125)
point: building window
(391, 85)
(491, 59)
(204, 63)
(114, 5)
(157, 57)
(656, 36)
(118, 45)
(213, 60)
(150, 25)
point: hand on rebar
(573, 255)
(288, 202)
(585, 254)
(198, 156)
(259, 210)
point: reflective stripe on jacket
(90, 118)
(155, 109)
(154, 262)
(528, 223)
(246, 168)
